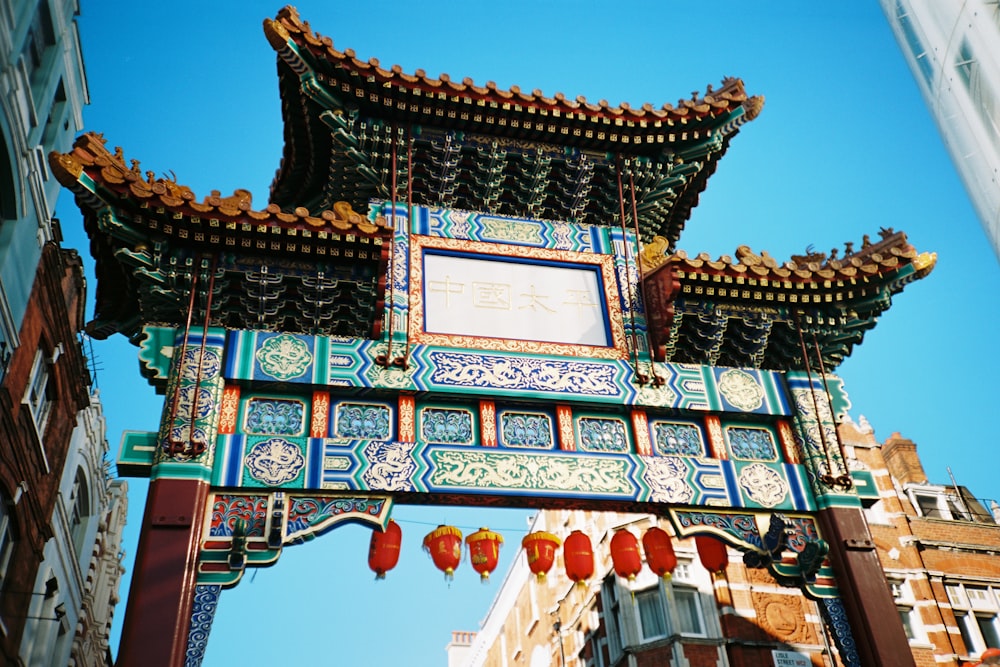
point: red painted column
(863, 589)
(158, 615)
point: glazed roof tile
(891, 252)
(289, 25)
(91, 157)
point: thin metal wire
(827, 478)
(844, 479)
(176, 447)
(198, 447)
(640, 378)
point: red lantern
(990, 656)
(444, 544)
(625, 554)
(383, 550)
(712, 553)
(578, 557)
(659, 552)
(540, 548)
(484, 550)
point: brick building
(937, 544)
(59, 512)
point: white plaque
(542, 301)
(790, 659)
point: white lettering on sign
(790, 659)
(521, 300)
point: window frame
(971, 611)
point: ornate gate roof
(483, 148)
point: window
(79, 500)
(937, 503)
(652, 619)
(904, 599)
(6, 538)
(39, 394)
(913, 43)
(611, 608)
(690, 618)
(976, 610)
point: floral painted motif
(741, 389)
(267, 416)
(603, 435)
(361, 421)
(227, 509)
(452, 427)
(763, 485)
(284, 357)
(751, 444)
(529, 430)
(678, 439)
(274, 462)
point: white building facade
(953, 49)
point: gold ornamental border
(605, 263)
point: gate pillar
(161, 596)
(864, 592)
(158, 615)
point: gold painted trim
(605, 263)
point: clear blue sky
(843, 147)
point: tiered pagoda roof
(754, 312)
(154, 245)
(483, 148)
(309, 263)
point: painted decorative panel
(603, 435)
(272, 416)
(446, 426)
(467, 294)
(677, 438)
(273, 462)
(535, 473)
(369, 421)
(531, 430)
(226, 509)
(751, 443)
(284, 357)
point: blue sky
(843, 147)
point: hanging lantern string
(844, 479)
(640, 378)
(461, 527)
(828, 478)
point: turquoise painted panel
(609, 435)
(751, 443)
(523, 429)
(361, 420)
(273, 416)
(677, 438)
(447, 426)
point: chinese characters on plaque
(521, 300)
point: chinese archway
(462, 294)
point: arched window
(79, 508)
(6, 537)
